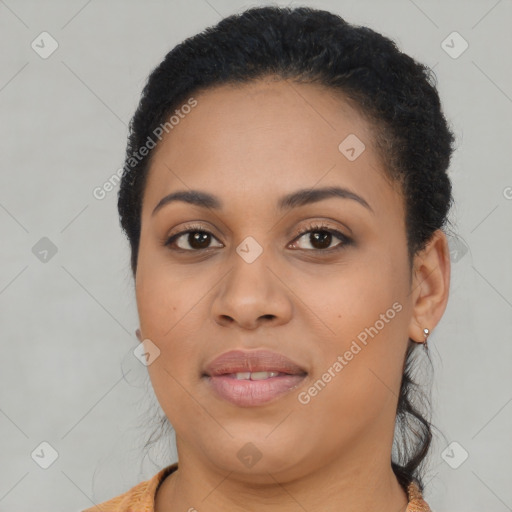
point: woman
(284, 194)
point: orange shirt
(141, 498)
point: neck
(348, 481)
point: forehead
(251, 142)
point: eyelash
(194, 228)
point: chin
(252, 454)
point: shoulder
(140, 498)
(416, 501)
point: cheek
(366, 290)
(163, 301)
(172, 322)
(170, 314)
(172, 310)
(360, 362)
(355, 399)
(357, 379)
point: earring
(138, 334)
(426, 333)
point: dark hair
(394, 92)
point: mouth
(252, 378)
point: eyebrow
(293, 200)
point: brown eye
(197, 240)
(194, 239)
(321, 237)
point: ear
(430, 285)
(139, 335)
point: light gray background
(68, 375)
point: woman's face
(335, 300)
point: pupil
(198, 239)
(322, 239)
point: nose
(252, 294)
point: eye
(194, 239)
(321, 237)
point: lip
(219, 376)
(236, 361)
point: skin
(249, 145)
